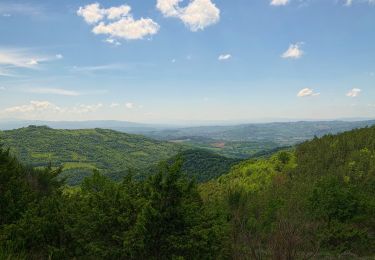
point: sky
(187, 60)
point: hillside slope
(80, 151)
(203, 165)
(317, 198)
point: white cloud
(54, 91)
(48, 110)
(34, 106)
(128, 28)
(112, 41)
(82, 108)
(33, 62)
(354, 92)
(118, 12)
(307, 92)
(2, 88)
(21, 58)
(18, 58)
(197, 15)
(7, 15)
(114, 105)
(91, 13)
(293, 52)
(224, 57)
(117, 22)
(130, 105)
(350, 2)
(59, 56)
(279, 2)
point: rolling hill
(81, 151)
(203, 165)
(243, 141)
(235, 141)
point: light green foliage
(318, 200)
(80, 151)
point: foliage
(162, 217)
(80, 151)
(203, 165)
(315, 201)
(243, 141)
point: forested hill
(315, 202)
(203, 165)
(81, 151)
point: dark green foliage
(19, 186)
(203, 165)
(162, 217)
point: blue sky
(198, 60)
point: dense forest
(82, 151)
(314, 201)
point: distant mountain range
(123, 126)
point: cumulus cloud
(307, 92)
(223, 57)
(279, 2)
(353, 93)
(117, 22)
(54, 91)
(130, 105)
(293, 52)
(128, 28)
(197, 15)
(91, 13)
